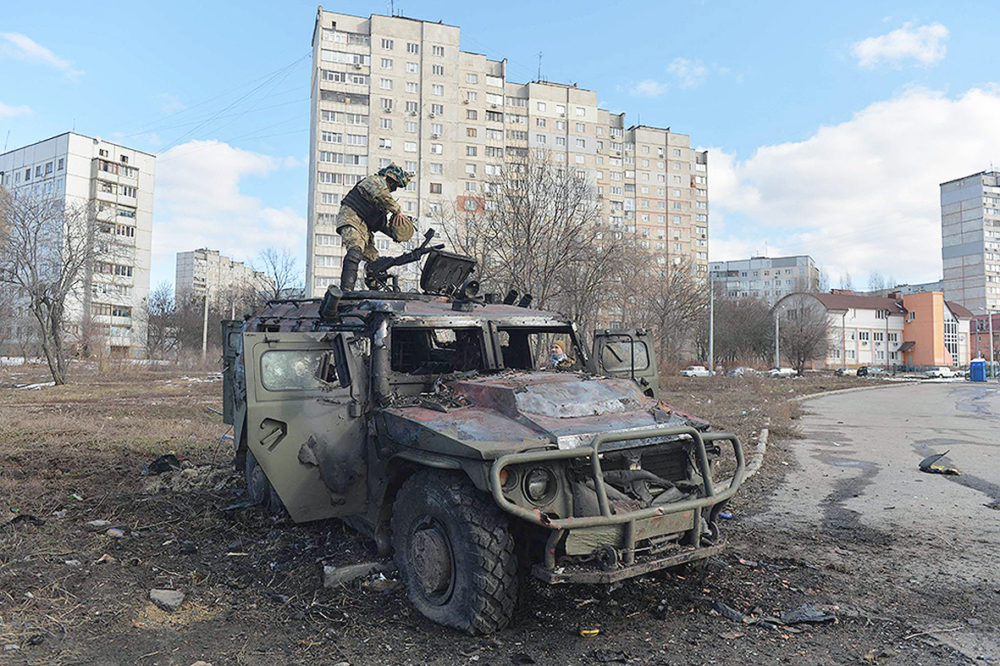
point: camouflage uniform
(358, 233)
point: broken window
(425, 351)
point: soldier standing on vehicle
(363, 211)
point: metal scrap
(929, 465)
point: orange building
(935, 332)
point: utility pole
(204, 329)
(777, 348)
(711, 324)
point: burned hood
(516, 411)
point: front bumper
(630, 527)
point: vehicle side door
(627, 353)
(308, 434)
(232, 331)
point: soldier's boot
(349, 273)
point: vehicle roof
(417, 309)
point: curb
(855, 389)
(754, 466)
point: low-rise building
(911, 330)
(980, 329)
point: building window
(387, 44)
(437, 168)
(470, 151)
(435, 188)
(437, 149)
(437, 51)
(412, 68)
(386, 63)
(437, 70)
(470, 131)
(437, 89)
(412, 47)
(385, 123)
(385, 143)
(471, 114)
(412, 107)
(412, 87)
(387, 104)
(385, 84)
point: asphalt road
(916, 545)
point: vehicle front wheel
(455, 552)
(259, 489)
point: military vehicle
(430, 422)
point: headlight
(539, 485)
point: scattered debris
(589, 633)
(24, 518)
(519, 658)
(334, 576)
(604, 656)
(60, 513)
(76, 496)
(728, 612)
(105, 559)
(11, 647)
(98, 525)
(805, 614)
(165, 463)
(726, 515)
(73, 563)
(930, 466)
(115, 533)
(168, 600)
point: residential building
(765, 278)
(912, 330)
(980, 329)
(970, 240)
(109, 311)
(393, 89)
(204, 271)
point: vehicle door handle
(278, 430)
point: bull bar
(560, 525)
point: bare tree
(282, 274)
(161, 324)
(535, 223)
(744, 330)
(46, 250)
(804, 330)
(672, 300)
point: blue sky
(830, 125)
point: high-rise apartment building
(765, 278)
(970, 240)
(392, 89)
(109, 311)
(207, 271)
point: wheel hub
(431, 556)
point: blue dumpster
(977, 370)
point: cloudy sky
(830, 127)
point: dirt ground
(76, 594)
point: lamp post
(777, 341)
(204, 329)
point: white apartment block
(393, 89)
(970, 240)
(204, 271)
(765, 278)
(110, 312)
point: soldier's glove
(402, 228)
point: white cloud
(649, 88)
(7, 111)
(200, 203)
(863, 195)
(689, 73)
(22, 47)
(924, 44)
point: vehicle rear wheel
(455, 552)
(259, 489)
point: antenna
(539, 65)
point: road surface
(914, 545)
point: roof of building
(959, 310)
(848, 301)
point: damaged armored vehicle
(430, 421)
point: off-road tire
(259, 489)
(483, 588)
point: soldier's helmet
(395, 174)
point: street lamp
(711, 322)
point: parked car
(846, 372)
(781, 372)
(696, 371)
(942, 371)
(742, 371)
(871, 371)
